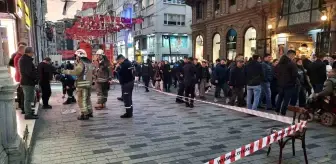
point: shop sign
(20, 8)
(27, 15)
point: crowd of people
(260, 82)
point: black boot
(90, 114)
(73, 100)
(126, 115)
(83, 117)
(68, 101)
(120, 99)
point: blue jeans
(284, 98)
(256, 90)
(266, 91)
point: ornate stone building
(225, 28)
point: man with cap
(28, 81)
(45, 72)
(126, 79)
(84, 73)
(104, 76)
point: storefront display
(199, 47)
(216, 47)
(231, 44)
(250, 43)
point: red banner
(67, 54)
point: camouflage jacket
(84, 73)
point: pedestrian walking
(180, 76)
(189, 72)
(274, 84)
(104, 76)
(167, 76)
(221, 77)
(254, 77)
(317, 73)
(147, 73)
(28, 81)
(286, 73)
(126, 79)
(84, 72)
(302, 84)
(46, 72)
(237, 82)
(158, 77)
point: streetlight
(269, 26)
(324, 17)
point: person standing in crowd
(220, 78)
(158, 77)
(174, 73)
(46, 72)
(305, 62)
(317, 73)
(237, 82)
(266, 83)
(286, 73)
(104, 76)
(180, 76)
(28, 81)
(203, 79)
(146, 72)
(137, 71)
(16, 58)
(303, 84)
(189, 72)
(198, 70)
(333, 65)
(274, 84)
(126, 79)
(329, 90)
(69, 66)
(167, 76)
(254, 77)
(69, 82)
(84, 72)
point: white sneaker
(215, 100)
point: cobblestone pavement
(163, 132)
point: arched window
(215, 47)
(231, 44)
(199, 47)
(250, 43)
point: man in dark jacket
(126, 79)
(286, 73)
(28, 81)
(46, 72)
(203, 79)
(146, 72)
(220, 77)
(69, 82)
(254, 77)
(237, 82)
(180, 77)
(317, 73)
(190, 80)
(266, 83)
(305, 62)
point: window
(199, 10)
(150, 21)
(232, 2)
(174, 19)
(174, 1)
(216, 5)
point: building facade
(225, 28)
(165, 33)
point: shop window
(232, 2)
(174, 1)
(215, 47)
(250, 43)
(199, 10)
(199, 47)
(231, 44)
(216, 5)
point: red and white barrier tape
(256, 145)
(279, 118)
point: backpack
(11, 60)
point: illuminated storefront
(175, 47)
(215, 47)
(231, 44)
(250, 44)
(199, 47)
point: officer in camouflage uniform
(104, 76)
(84, 73)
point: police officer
(180, 77)
(84, 73)
(104, 76)
(126, 79)
(147, 72)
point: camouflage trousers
(102, 92)
(84, 100)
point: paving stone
(192, 144)
(312, 146)
(115, 143)
(138, 156)
(102, 151)
(138, 145)
(166, 139)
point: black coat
(204, 73)
(286, 72)
(254, 73)
(317, 72)
(28, 71)
(237, 77)
(189, 72)
(221, 74)
(147, 69)
(167, 72)
(45, 72)
(125, 72)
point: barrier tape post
(256, 145)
